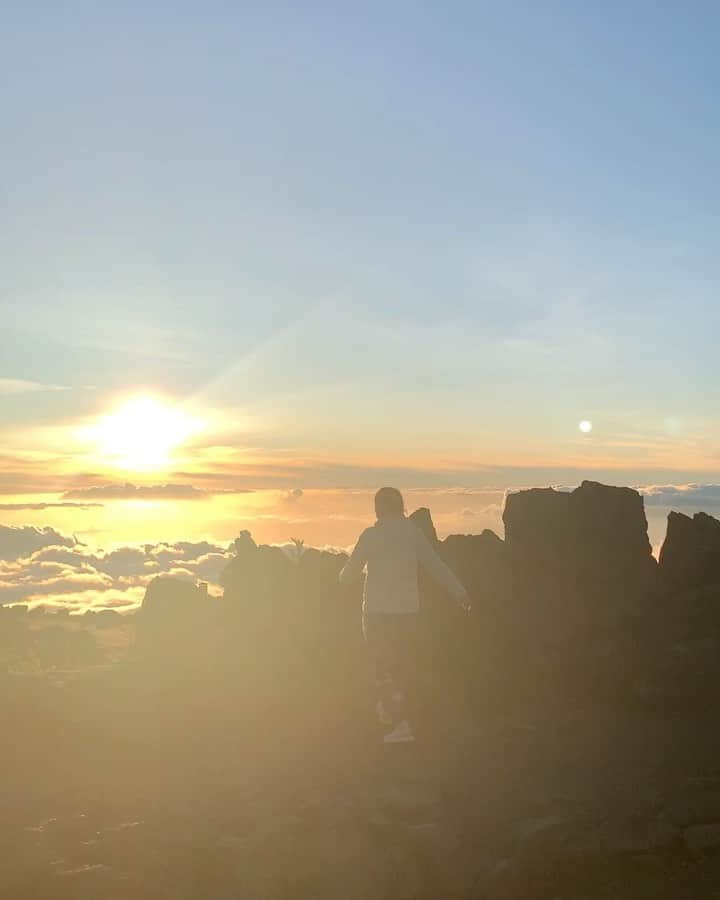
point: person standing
(391, 551)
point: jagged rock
(169, 598)
(690, 554)
(256, 575)
(422, 518)
(477, 559)
(537, 526)
(582, 576)
(103, 618)
(172, 623)
(595, 530)
(480, 562)
(582, 552)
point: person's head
(389, 502)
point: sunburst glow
(142, 433)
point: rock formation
(690, 554)
(594, 532)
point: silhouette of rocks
(170, 598)
(538, 527)
(257, 582)
(568, 592)
(690, 554)
(422, 518)
(594, 535)
(172, 619)
(103, 618)
(583, 581)
(479, 561)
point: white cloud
(10, 386)
(84, 576)
(21, 540)
(145, 492)
(18, 507)
(697, 497)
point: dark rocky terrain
(568, 745)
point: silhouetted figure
(391, 551)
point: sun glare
(143, 433)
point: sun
(142, 433)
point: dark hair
(389, 502)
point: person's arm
(441, 573)
(354, 566)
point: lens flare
(142, 433)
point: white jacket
(392, 549)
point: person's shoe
(402, 733)
(383, 715)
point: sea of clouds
(42, 566)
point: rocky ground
(553, 805)
(568, 745)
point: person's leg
(400, 629)
(404, 666)
(377, 639)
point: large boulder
(462, 652)
(592, 538)
(256, 578)
(537, 527)
(690, 554)
(168, 598)
(583, 583)
(480, 563)
(172, 623)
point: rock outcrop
(690, 554)
(170, 599)
(423, 519)
(594, 533)
(174, 617)
(583, 582)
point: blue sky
(430, 232)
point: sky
(339, 245)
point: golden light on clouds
(143, 433)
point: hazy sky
(426, 236)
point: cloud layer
(10, 386)
(18, 507)
(704, 497)
(44, 567)
(129, 491)
(23, 540)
